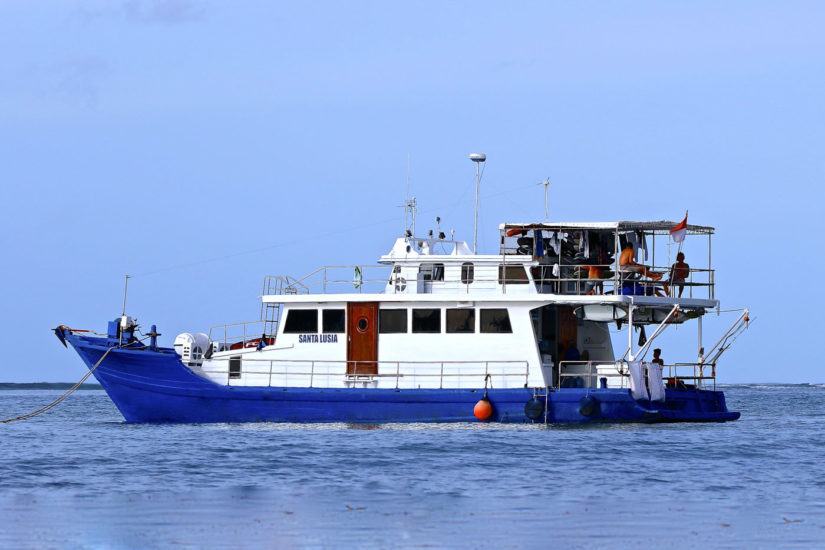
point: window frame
(342, 327)
(289, 313)
(235, 373)
(482, 327)
(503, 275)
(431, 309)
(382, 330)
(431, 270)
(472, 315)
(468, 273)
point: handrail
(244, 336)
(673, 372)
(349, 369)
(572, 280)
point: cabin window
(426, 320)
(495, 320)
(392, 321)
(461, 320)
(333, 321)
(301, 321)
(512, 275)
(234, 367)
(467, 272)
(431, 272)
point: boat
(436, 332)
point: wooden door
(568, 329)
(362, 338)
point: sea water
(79, 477)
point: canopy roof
(662, 226)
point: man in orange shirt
(594, 272)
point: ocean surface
(78, 477)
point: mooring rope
(62, 397)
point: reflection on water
(77, 476)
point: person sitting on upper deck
(679, 272)
(628, 264)
(594, 272)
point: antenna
(125, 288)
(478, 158)
(410, 206)
(546, 184)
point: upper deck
(560, 259)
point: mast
(478, 158)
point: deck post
(630, 332)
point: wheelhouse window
(512, 275)
(426, 320)
(431, 272)
(495, 320)
(392, 321)
(333, 321)
(467, 272)
(301, 321)
(461, 320)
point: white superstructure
(435, 315)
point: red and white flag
(678, 232)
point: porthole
(362, 324)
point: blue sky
(202, 145)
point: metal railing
(368, 371)
(670, 373)
(322, 280)
(574, 279)
(242, 335)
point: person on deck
(657, 357)
(627, 263)
(571, 352)
(594, 272)
(679, 272)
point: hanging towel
(654, 382)
(637, 380)
(556, 270)
(538, 250)
(555, 242)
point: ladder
(271, 312)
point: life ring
(400, 284)
(254, 343)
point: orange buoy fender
(483, 409)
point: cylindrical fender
(534, 408)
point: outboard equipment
(191, 348)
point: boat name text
(317, 338)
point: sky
(201, 145)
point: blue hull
(154, 386)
